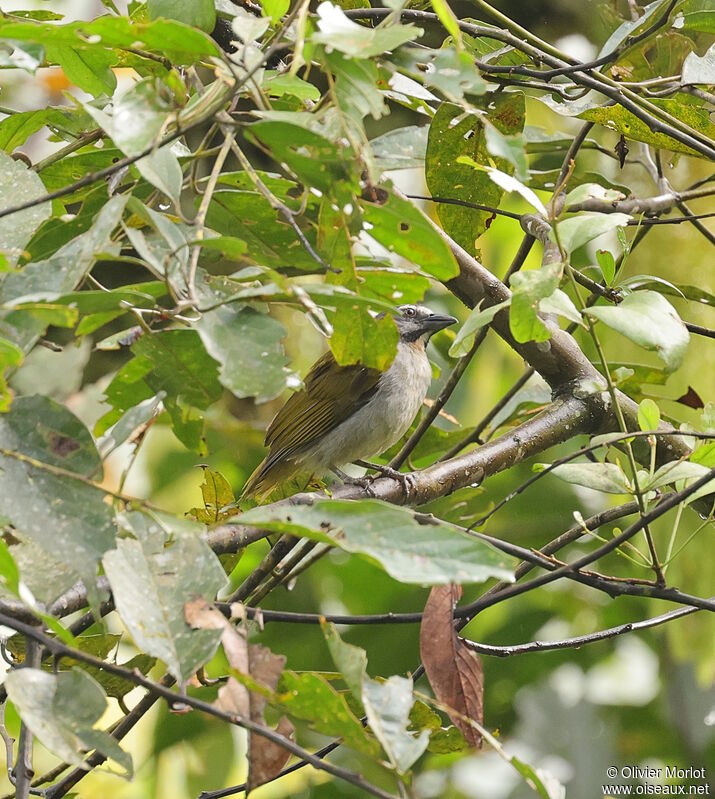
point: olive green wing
(330, 395)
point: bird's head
(418, 323)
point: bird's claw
(361, 482)
(407, 481)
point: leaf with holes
(411, 552)
(454, 134)
(403, 229)
(151, 577)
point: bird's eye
(410, 312)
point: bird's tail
(266, 478)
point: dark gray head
(417, 322)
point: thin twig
(24, 771)
(61, 650)
(657, 120)
(580, 640)
(200, 218)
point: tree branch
(61, 650)
(656, 119)
(581, 640)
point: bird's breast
(383, 420)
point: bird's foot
(407, 481)
(362, 482)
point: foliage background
(641, 699)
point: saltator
(345, 414)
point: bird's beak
(437, 322)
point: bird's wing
(331, 394)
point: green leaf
(130, 421)
(607, 263)
(529, 287)
(337, 32)
(510, 148)
(22, 56)
(675, 471)
(403, 229)
(648, 415)
(631, 27)
(358, 335)
(174, 362)
(454, 134)
(387, 703)
(247, 345)
(476, 320)
(310, 697)
(60, 273)
(217, 495)
(356, 86)
(62, 711)
(651, 321)
(444, 741)
(407, 550)
(137, 121)
(350, 660)
(9, 573)
(704, 454)
(229, 246)
(449, 71)
(151, 579)
(180, 366)
(46, 313)
(699, 70)
(402, 148)
(19, 184)
(270, 241)
(173, 40)
(196, 13)
(606, 477)
(592, 191)
(623, 121)
(448, 20)
(275, 9)
(531, 776)
(392, 285)
(11, 356)
(280, 84)
(116, 686)
(90, 69)
(560, 303)
(314, 160)
(387, 707)
(17, 128)
(585, 226)
(696, 20)
(694, 293)
(47, 456)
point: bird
(347, 414)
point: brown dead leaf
(233, 696)
(454, 671)
(265, 758)
(691, 398)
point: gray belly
(376, 426)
